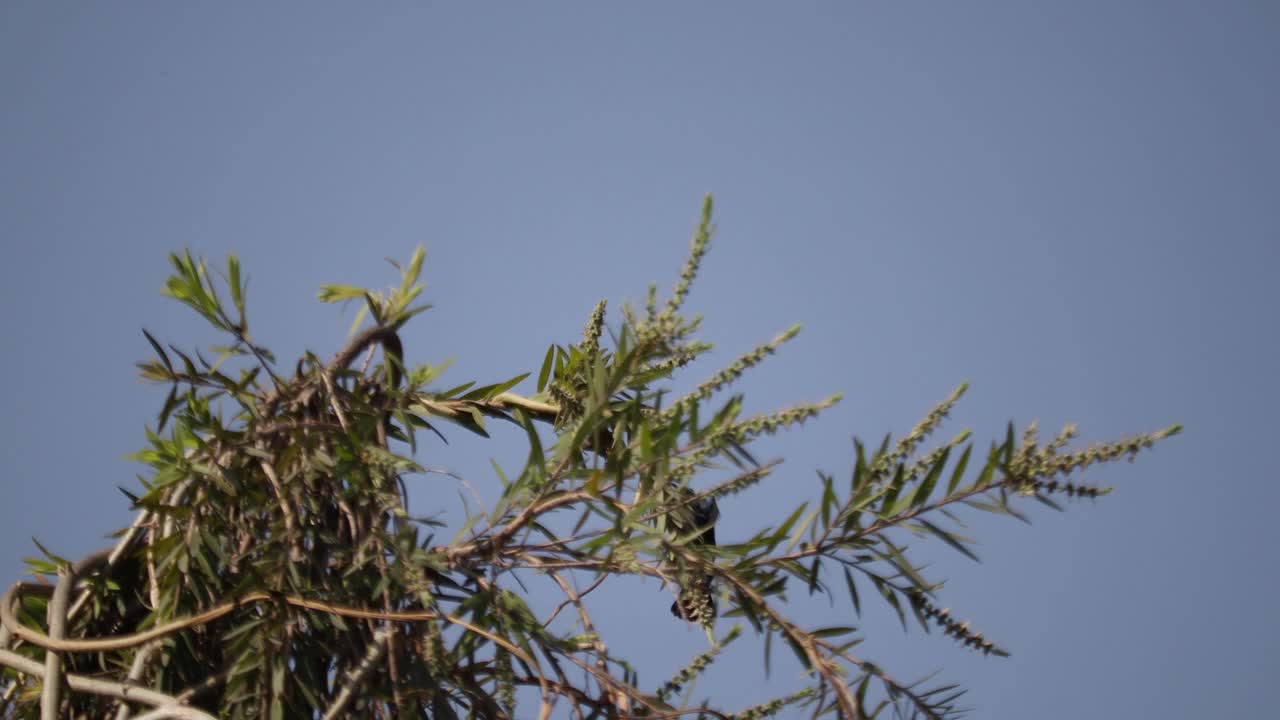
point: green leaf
(187, 365)
(799, 532)
(203, 562)
(926, 487)
(233, 281)
(339, 293)
(799, 651)
(988, 470)
(448, 394)
(164, 357)
(170, 403)
(462, 531)
(355, 324)
(829, 500)
(375, 307)
(415, 270)
(958, 472)
(42, 567)
(891, 597)
(861, 693)
(491, 391)
(545, 372)
(55, 558)
(785, 528)
(477, 418)
(948, 538)
(887, 508)
(902, 564)
(1048, 501)
(535, 465)
(853, 592)
(768, 649)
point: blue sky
(1072, 205)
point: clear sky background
(1075, 206)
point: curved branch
(342, 360)
(121, 642)
(176, 712)
(376, 334)
(94, 686)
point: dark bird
(696, 521)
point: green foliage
(274, 570)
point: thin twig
(327, 379)
(601, 650)
(290, 522)
(570, 600)
(205, 685)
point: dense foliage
(273, 569)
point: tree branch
(377, 648)
(94, 686)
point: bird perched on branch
(695, 523)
